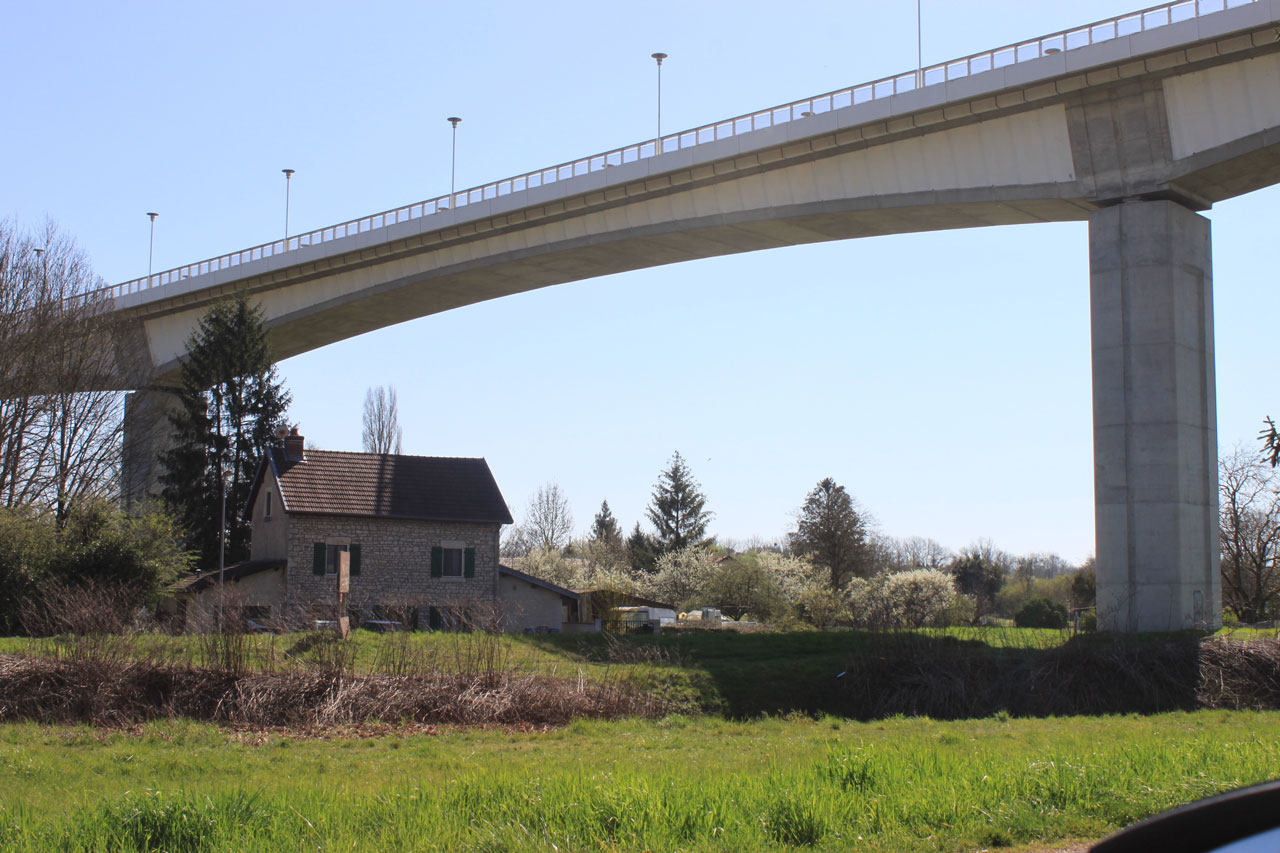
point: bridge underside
(1135, 145)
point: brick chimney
(294, 447)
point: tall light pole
(657, 145)
(453, 164)
(151, 251)
(288, 181)
(919, 51)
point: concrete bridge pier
(146, 436)
(1154, 418)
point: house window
(452, 559)
(331, 552)
(452, 562)
(325, 561)
(266, 516)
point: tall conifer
(677, 508)
(230, 402)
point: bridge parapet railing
(1060, 42)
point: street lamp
(919, 51)
(657, 146)
(288, 180)
(453, 166)
(151, 252)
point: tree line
(831, 568)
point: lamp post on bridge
(657, 144)
(453, 163)
(919, 50)
(288, 181)
(151, 250)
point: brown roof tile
(384, 485)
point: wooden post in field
(344, 587)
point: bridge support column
(146, 436)
(1154, 418)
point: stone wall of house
(395, 565)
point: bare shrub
(63, 691)
(1239, 675)
(88, 621)
(325, 652)
(97, 669)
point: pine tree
(641, 553)
(605, 528)
(832, 532)
(230, 401)
(676, 509)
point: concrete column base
(1154, 418)
(147, 434)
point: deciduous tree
(910, 599)
(59, 439)
(1249, 536)
(382, 432)
(979, 573)
(548, 522)
(743, 585)
(682, 576)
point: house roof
(200, 580)
(515, 573)
(387, 485)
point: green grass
(676, 784)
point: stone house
(420, 534)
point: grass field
(673, 784)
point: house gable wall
(270, 539)
(526, 605)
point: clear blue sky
(942, 378)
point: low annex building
(421, 536)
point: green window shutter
(469, 563)
(433, 618)
(317, 564)
(354, 550)
(437, 563)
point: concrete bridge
(1135, 124)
